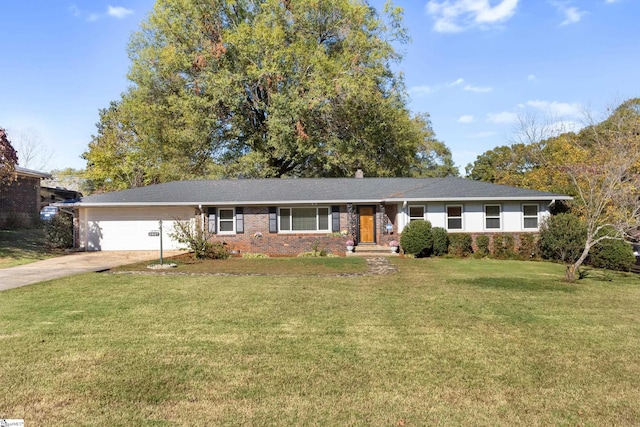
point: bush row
(561, 239)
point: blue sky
(474, 65)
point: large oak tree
(264, 88)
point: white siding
(116, 229)
(473, 218)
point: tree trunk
(572, 270)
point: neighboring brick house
(20, 199)
(290, 216)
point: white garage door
(129, 229)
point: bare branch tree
(8, 159)
(33, 152)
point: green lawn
(441, 342)
(22, 246)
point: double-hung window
(530, 216)
(304, 219)
(226, 221)
(454, 217)
(416, 212)
(492, 217)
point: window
(530, 215)
(226, 221)
(304, 219)
(492, 216)
(416, 212)
(454, 217)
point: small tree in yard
(607, 179)
(440, 241)
(197, 238)
(417, 239)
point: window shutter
(239, 220)
(273, 219)
(211, 212)
(335, 219)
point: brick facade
(257, 238)
(20, 202)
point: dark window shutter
(335, 219)
(211, 212)
(273, 219)
(239, 220)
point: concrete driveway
(74, 263)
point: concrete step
(372, 251)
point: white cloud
(532, 77)
(421, 90)
(118, 11)
(457, 82)
(478, 89)
(611, 1)
(467, 118)
(557, 109)
(503, 117)
(454, 16)
(572, 15)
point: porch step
(371, 251)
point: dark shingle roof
(321, 190)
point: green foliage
(528, 247)
(504, 246)
(416, 238)
(562, 238)
(612, 254)
(260, 88)
(482, 245)
(460, 244)
(440, 241)
(249, 255)
(197, 239)
(59, 231)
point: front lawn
(22, 246)
(441, 342)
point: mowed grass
(305, 266)
(22, 246)
(441, 342)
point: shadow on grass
(520, 284)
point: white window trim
(537, 206)
(233, 220)
(316, 231)
(424, 212)
(485, 217)
(446, 219)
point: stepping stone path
(380, 265)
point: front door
(367, 224)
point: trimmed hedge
(417, 239)
(440, 241)
(460, 244)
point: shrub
(562, 238)
(528, 246)
(254, 255)
(482, 245)
(58, 232)
(197, 240)
(504, 246)
(440, 241)
(612, 254)
(417, 239)
(460, 244)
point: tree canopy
(8, 159)
(264, 88)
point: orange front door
(367, 228)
